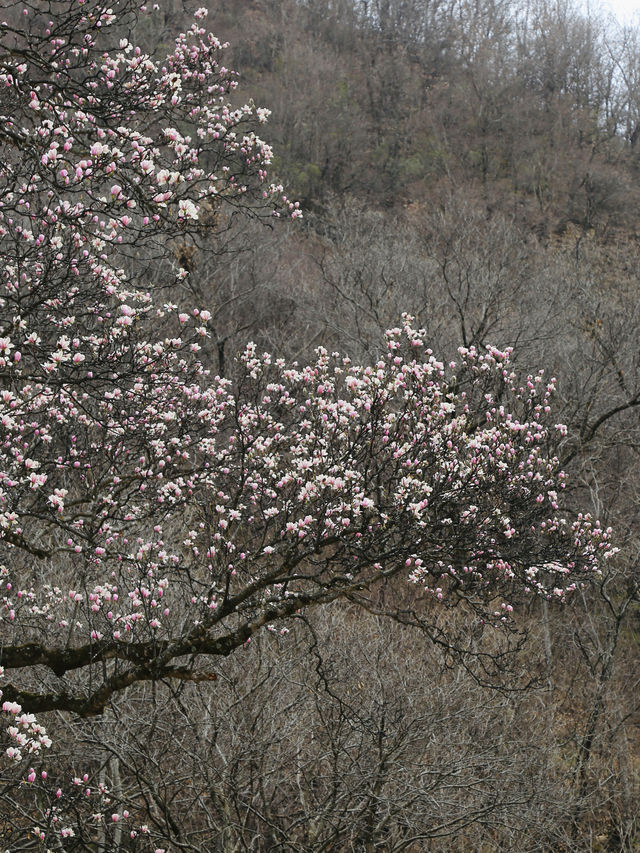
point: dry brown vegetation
(474, 164)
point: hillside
(343, 622)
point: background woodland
(475, 163)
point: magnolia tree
(154, 516)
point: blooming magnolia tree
(153, 516)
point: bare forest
(319, 426)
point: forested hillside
(341, 588)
